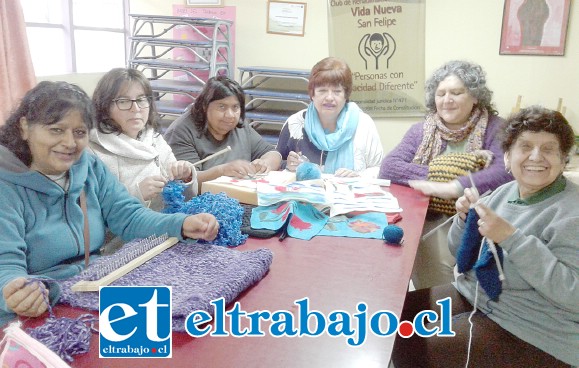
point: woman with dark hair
(51, 190)
(461, 125)
(215, 122)
(127, 140)
(332, 132)
(531, 319)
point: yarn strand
(64, 336)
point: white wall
(465, 29)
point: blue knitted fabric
(226, 210)
(485, 267)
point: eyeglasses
(127, 103)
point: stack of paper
(340, 198)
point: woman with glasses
(215, 122)
(127, 140)
(332, 132)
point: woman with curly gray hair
(461, 124)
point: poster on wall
(534, 27)
(383, 43)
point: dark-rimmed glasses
(126, 103)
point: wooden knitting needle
(218, 153)
(425, 236)
(86, 285)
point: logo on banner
(135, 322)
(375, 46)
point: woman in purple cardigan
(460, 118)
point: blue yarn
(393, 234)
(485, 267)
(467, 253)
(308, 171)
(226, 210)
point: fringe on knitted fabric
(198, 273)
(445, 168)
(227, 211)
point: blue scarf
(339, 144)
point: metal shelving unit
(178, 68)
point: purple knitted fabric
(399, 168)
(198, 273)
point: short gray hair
(473, 77)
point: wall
(466, 29)
(86, 81)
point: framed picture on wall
(203, 2)
(286, 17)
(534, 27)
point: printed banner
(383, 43)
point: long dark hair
(46, 104)
(216, 88)
(109, 87)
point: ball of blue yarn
(308, 171)
(393, 234)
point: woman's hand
(25, 299)
(492, 225)
(464, 203)
(151, 186)
(238, 169)
(432, 188)
(181, 170)
(202, 226)
(260, 166)
(345, 173)
(293, 160)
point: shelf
(271, 115)
(178, 67)
(267, 86)
(172, 107)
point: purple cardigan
(399, 168)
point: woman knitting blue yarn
(532, 319)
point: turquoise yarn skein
(308, 171)
(393, 234)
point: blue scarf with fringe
(340, 143)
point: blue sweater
(42, 224)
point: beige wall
(465, 29)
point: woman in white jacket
(126, 137)
(333, 131)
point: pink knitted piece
(198, 273)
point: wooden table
(335, 273)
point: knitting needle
(218, 153)
(425, 236)
(491, 243)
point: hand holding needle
(491, 243)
